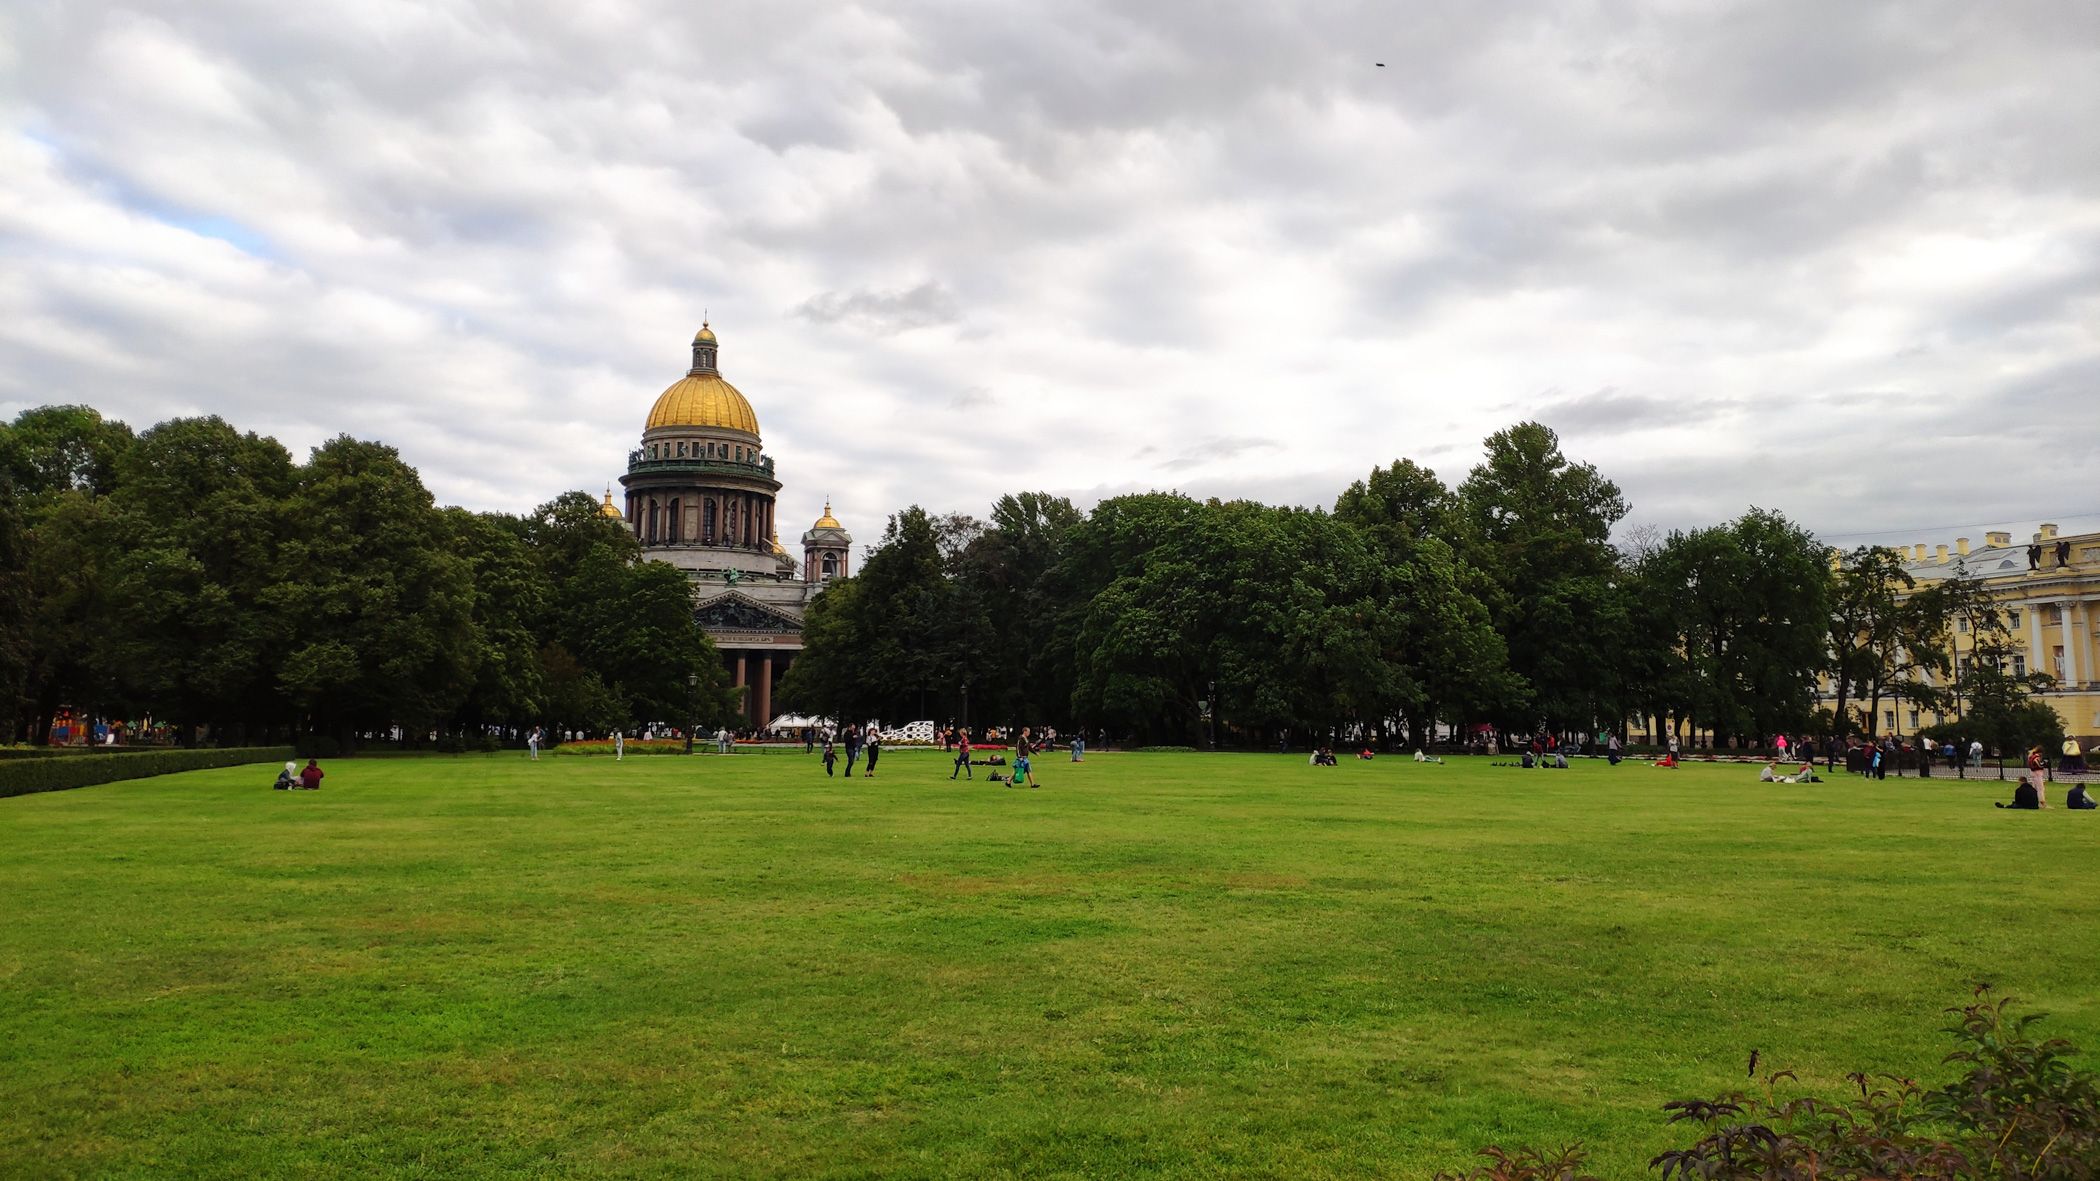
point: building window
(1888, 719)
(1962, 626)
(2019, 666)
(831, 565)
(1914, 719)
(2014, 618)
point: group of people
(293, 778)
(857, 741)
(2032, 794)
(1805, 773)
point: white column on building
(2070, 623)
(2037, 656)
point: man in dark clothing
(2078, 800)
(2025, 797)
(852, 748)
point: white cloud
(958, 250)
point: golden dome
(706, 335)
(609, 509)
(827, 521)
(703, 399)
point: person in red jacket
(310, 778)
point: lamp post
(966, 709)
(1213, 719)
(692, 707)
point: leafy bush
(319, 746)
(22, 777)
(2022, 1110)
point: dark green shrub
(319, 746)
(2022, 1109)
(23, 776)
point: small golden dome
(706, 335)
(703, 399)
(827, 521)
(609, 509)
(777, 547)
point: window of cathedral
(831, 565)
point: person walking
(1079, 747)
(532, 741)
(874, 752)
(831, 757)
(962, 758)
(619, 745)
(852, 748)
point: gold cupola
(827, 521)
(610, 510)
(701, 398)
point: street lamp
(692, 707)
(966, 709)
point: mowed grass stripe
(1156, 965)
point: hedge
(21, 777)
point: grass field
(1156, 965)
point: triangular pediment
(735, 612)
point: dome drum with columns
(700, 495)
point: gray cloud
(1174, 244)
(923, 306)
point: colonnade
(711, 518)
(753, 671)
(2072, 671)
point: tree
(383, 600)
(512, 600)
(196, 630)
(1538, 526)
(1447, 645)
(1745, 609)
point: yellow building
(2049, 588)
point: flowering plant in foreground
(2023, 1110)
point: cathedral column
(765, 691)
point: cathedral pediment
(735, 613)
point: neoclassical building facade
(700, 494)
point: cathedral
(700, 495)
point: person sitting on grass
(310, 778)
(1021, 773)
(1805, 774)
(1669, 760)
(2077, 799)
(1364, 754)
(2025, 797)
(288, 778)
(1771, 772)
(1323, 757)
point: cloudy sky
(1841, 260)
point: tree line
(1502, 602)
(197, 573)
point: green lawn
(1156, 965)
